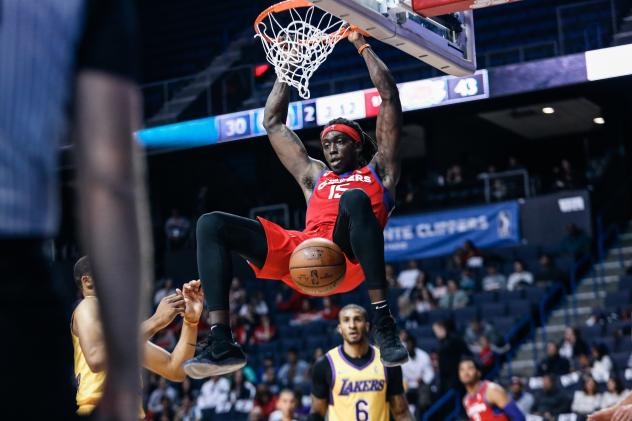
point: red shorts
(281, 245)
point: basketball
(317, 266)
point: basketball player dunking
(348, 202)
(485, 400)
(351, 383)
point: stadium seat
(492, 310)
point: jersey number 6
(361, 410)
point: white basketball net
(297, 49)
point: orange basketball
(317, 266)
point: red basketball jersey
(322, 209)
(477, 407)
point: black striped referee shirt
(43, 45)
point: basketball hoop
(297, 38)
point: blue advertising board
(440, 233)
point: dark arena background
(512, 219)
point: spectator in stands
(187, 411)
(166, 289)
(553, 363)
(614, 393)
(264, 332)
(330, 310)
(546, 271)
(290, 300)
(214, 393)
(602, 364)
(407, 278)
(259, 304)
(425, 301)
(391, 279)
(520, 278)
(467, 281)
(286, 405)
(550, 401)
(587, 400)
(456, 262)
(472, 256)
(454, 175)
(494, 281)
(418, 374)
(165, 411)
(449, 351)
(269, 378)
(242, 394)
(293, 372)
(523, 399)
(264, 404)
(486, 355)
(307, 314)
(439, 288)
(177, 229)
(454, 298)
(499, 189)
(237, 294)
(187, 390)
(564, 177)
(573, 345)
(476, 329)
(575, 243)
(164, 390)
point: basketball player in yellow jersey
(89, 347)
(350, 383)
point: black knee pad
(355, 200)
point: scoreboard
(317, 112)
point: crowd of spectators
(275, 388)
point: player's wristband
(363, 47)
(192, 324)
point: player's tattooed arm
(399, 408)
(389, 119)
(286, 144)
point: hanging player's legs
(219, 234)
(359, 235)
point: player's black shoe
(392, 351)
(221, 355)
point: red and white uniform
(477, 407)
(320, 221)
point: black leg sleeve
(219, 234)
(359, 235)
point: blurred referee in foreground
(69, 67)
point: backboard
(445, 42)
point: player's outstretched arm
(497, 396)
(389, 119)
(286, 143)
(399, 408)
(169, 365)
(87, 326)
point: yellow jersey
(357, 393)
(90, 385)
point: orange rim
(295, 4)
